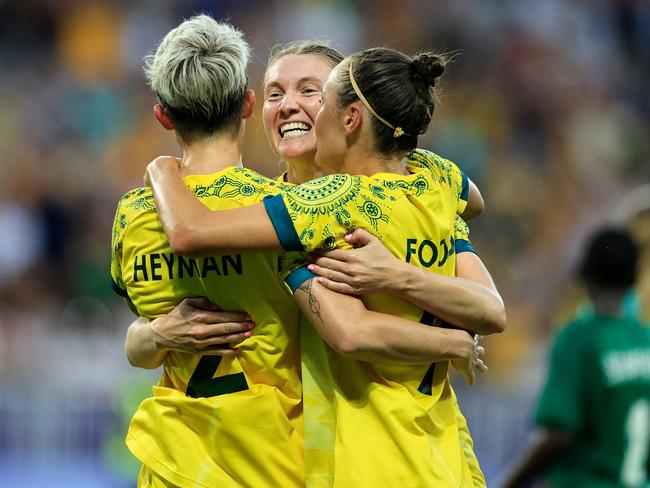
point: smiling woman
(292, 98)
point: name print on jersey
(158, 266)
(428, 253)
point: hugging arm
(469, 300)
(352, 330)
(195, 230)
(195, 326)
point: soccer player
(352, 137)
(231, 421)
(593, 416)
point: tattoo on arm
(314, 305)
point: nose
(289, 104)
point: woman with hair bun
(375, 104)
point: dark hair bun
(426, 68)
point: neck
(607, 302)
(362, 160)
(301, 170)
(211, 154)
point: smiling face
(292, 98)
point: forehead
(294, 67)
(331, 79)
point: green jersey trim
(461, 245)
(277, 211)
(464, 190)
(120, 291)
(297, 277)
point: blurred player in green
(593, 416)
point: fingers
(221, 351)
(337, 254)
(331, 274)
(337, 287)
(221, 340)
(360, 237)
(224, 329)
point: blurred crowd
(546, 107)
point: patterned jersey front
(215, 421)
(379, 424)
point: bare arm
(195, 230)
(470, 300)
(475, 203)
(352, 330)
(195, 326)
(544, 447)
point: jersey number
(202, 384)
(637, 436)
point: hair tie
(397, 131)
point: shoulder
(132, 204)
(235, 183)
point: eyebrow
(304, 79)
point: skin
(292, 94)
(410, 341)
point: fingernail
(248, 334)
(251, 325)
(320, 279)
(310, 267)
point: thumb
(360, 237)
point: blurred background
(546, 108)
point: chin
(291, 151)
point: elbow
(495, 322)
(349, 342)
(183, 240)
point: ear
(162, 117)
(249, 104)
(352, 118)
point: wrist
(152, 334)
(461, 344)
(405, 279)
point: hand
(198, 326)
(474, 363)
(161, 163)
(368, 268)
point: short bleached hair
(198, 73)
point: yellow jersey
(379, 424)
(213, 421)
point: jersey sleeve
(119, 226)
(560, 404)
(292, 268)
(461, 237)
(447, 172)
(318, 214)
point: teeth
(294, 129)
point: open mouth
(293, 129)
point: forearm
(352, 330)
(195, 230)
(141, 348)
(543, 449)
(463, 302)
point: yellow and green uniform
(378, 424)
(214, 421)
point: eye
(311, 90)
(274, 95)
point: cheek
(268, 118)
